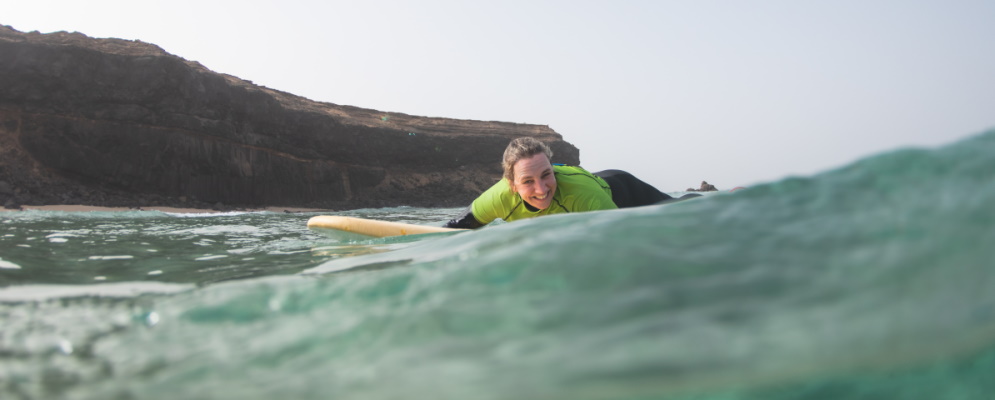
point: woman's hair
(522, 148)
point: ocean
(875, 280)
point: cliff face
(116, 122)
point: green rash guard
(576, 190)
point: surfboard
(372, 227)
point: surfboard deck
(372, 227)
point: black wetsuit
(629, 191)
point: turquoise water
(872, 281)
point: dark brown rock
(705, 187)
(116, 122)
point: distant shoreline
(178, 210)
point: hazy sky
(676, 92)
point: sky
(733, 92)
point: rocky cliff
(123, 123)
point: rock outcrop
(705, 187)
(123, 123)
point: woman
(532, 186)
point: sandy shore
(81, 208)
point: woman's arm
(466, 220)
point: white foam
(8, 265)
(119, 289)
(211, 214)
(122, 257)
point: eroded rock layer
(123, 123)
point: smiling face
(534, 181)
